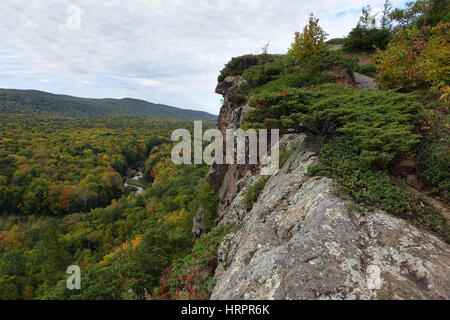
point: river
(136, 177)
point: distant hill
(44, 103)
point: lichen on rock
(300, 241)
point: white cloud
(147, 82)
(163, 51)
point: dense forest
(32, 102)
(64, 161)
(63, 202)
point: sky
(168, 52)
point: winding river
(136, 177)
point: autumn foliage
(311, 40)
(416, 58)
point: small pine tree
(309, 42)
(386, 20)
(367, 19)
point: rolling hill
(47, 104)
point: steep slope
(301, 241)
(43, 103)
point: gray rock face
(301, 242)
(198, 227)
(225, 178)
(364, 82)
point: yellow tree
(311, 40)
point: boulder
(198, 227)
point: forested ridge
(43, 103)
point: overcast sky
(166, 52)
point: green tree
(366, 36)
(386, 20)
(422, 13)
(367, 20)
(310, 41)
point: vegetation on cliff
(366, 133)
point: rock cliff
(300, 241)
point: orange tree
(416, 58)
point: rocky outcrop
(364, 82)
(198, 227)
(300, 241)
(221, 176)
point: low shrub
(208, 198)
(297, 79)
(261, 74)
(285, 155)
(379, 123)
(339, 160)
(322, 67)
(238, 65)
(434, 165)
(368, 69)
(253, 192)
(191, 277)
(415, 59)
(325, 61)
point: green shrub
(261, 74)
(191, 277)
(326, 61)
(416, 59)
(366, 39)
(285, 155)
(238, 65)
(368, 69)
(322, 67)
(434, 166)
(208, 198)
(253, 192)
(379, 123)
(339, 160)
(297, 80)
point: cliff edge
(301, 241)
